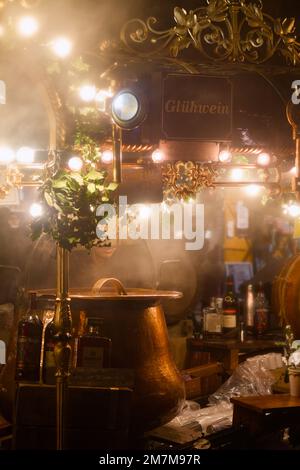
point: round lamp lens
(125, 107)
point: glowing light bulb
(145, 212)
(88, 93)
(225, 156)
(158, 156)
(101, 97)
(293, 171)
(75, 163)
(237, 174)
(263, 159)
(253, 190)
(27, 26)
(25, 155)
(7, 155)
(36, 210)
(294, 210)
(107, 156)
(61, 47)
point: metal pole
(117, 153)
(293, 117)
(62, 349)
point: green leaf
(91, 188)
(112, 186)
(48, 199)
(94, 175)
(78, 178)
(59, 184)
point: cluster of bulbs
(264, 159)
(75, 163)
(292, 209)
(25, 155)
(28, 26)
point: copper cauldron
(134, 320)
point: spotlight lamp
(128, 109)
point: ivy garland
(69, 200)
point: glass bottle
(93, 350)
(29, 342)
(250, 310)
(230, 307)
(213, 320)
(261, 317)
(49, 366)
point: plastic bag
(252, 377)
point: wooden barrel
(286, 295)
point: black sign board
(196, 108)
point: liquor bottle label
(229, 321)
(213, 323)
(28, 352)
(49, 358)
(93, 357)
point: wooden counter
(230, 352)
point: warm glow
(36, 210)
(7, 155)
(293, 210)
(101, 98)
(225, 156)
(88, 92)
(293, 171)
(263, 159)
(61, 47)
(75, 163)
(158, 156)
(27, 26)
(237, 174)
(25, 155)
(253, 190)
(107, 156)
(145, 212)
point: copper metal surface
(135, 322)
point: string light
(88, 93)
(144, 212)
(253, 190)
(36, 210)
(263, 159)
(7, 155)
(25, 155)
(225, 156)
(61, 47)
(75, 163)
(27, 26)
(107, 156)
(158, 156)
(237, 174)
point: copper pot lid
(100, 291)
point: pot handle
(109, 280)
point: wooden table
(229, 352)
(260, 415)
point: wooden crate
(202, 380)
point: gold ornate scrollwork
(182, 180)
(222, 30)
